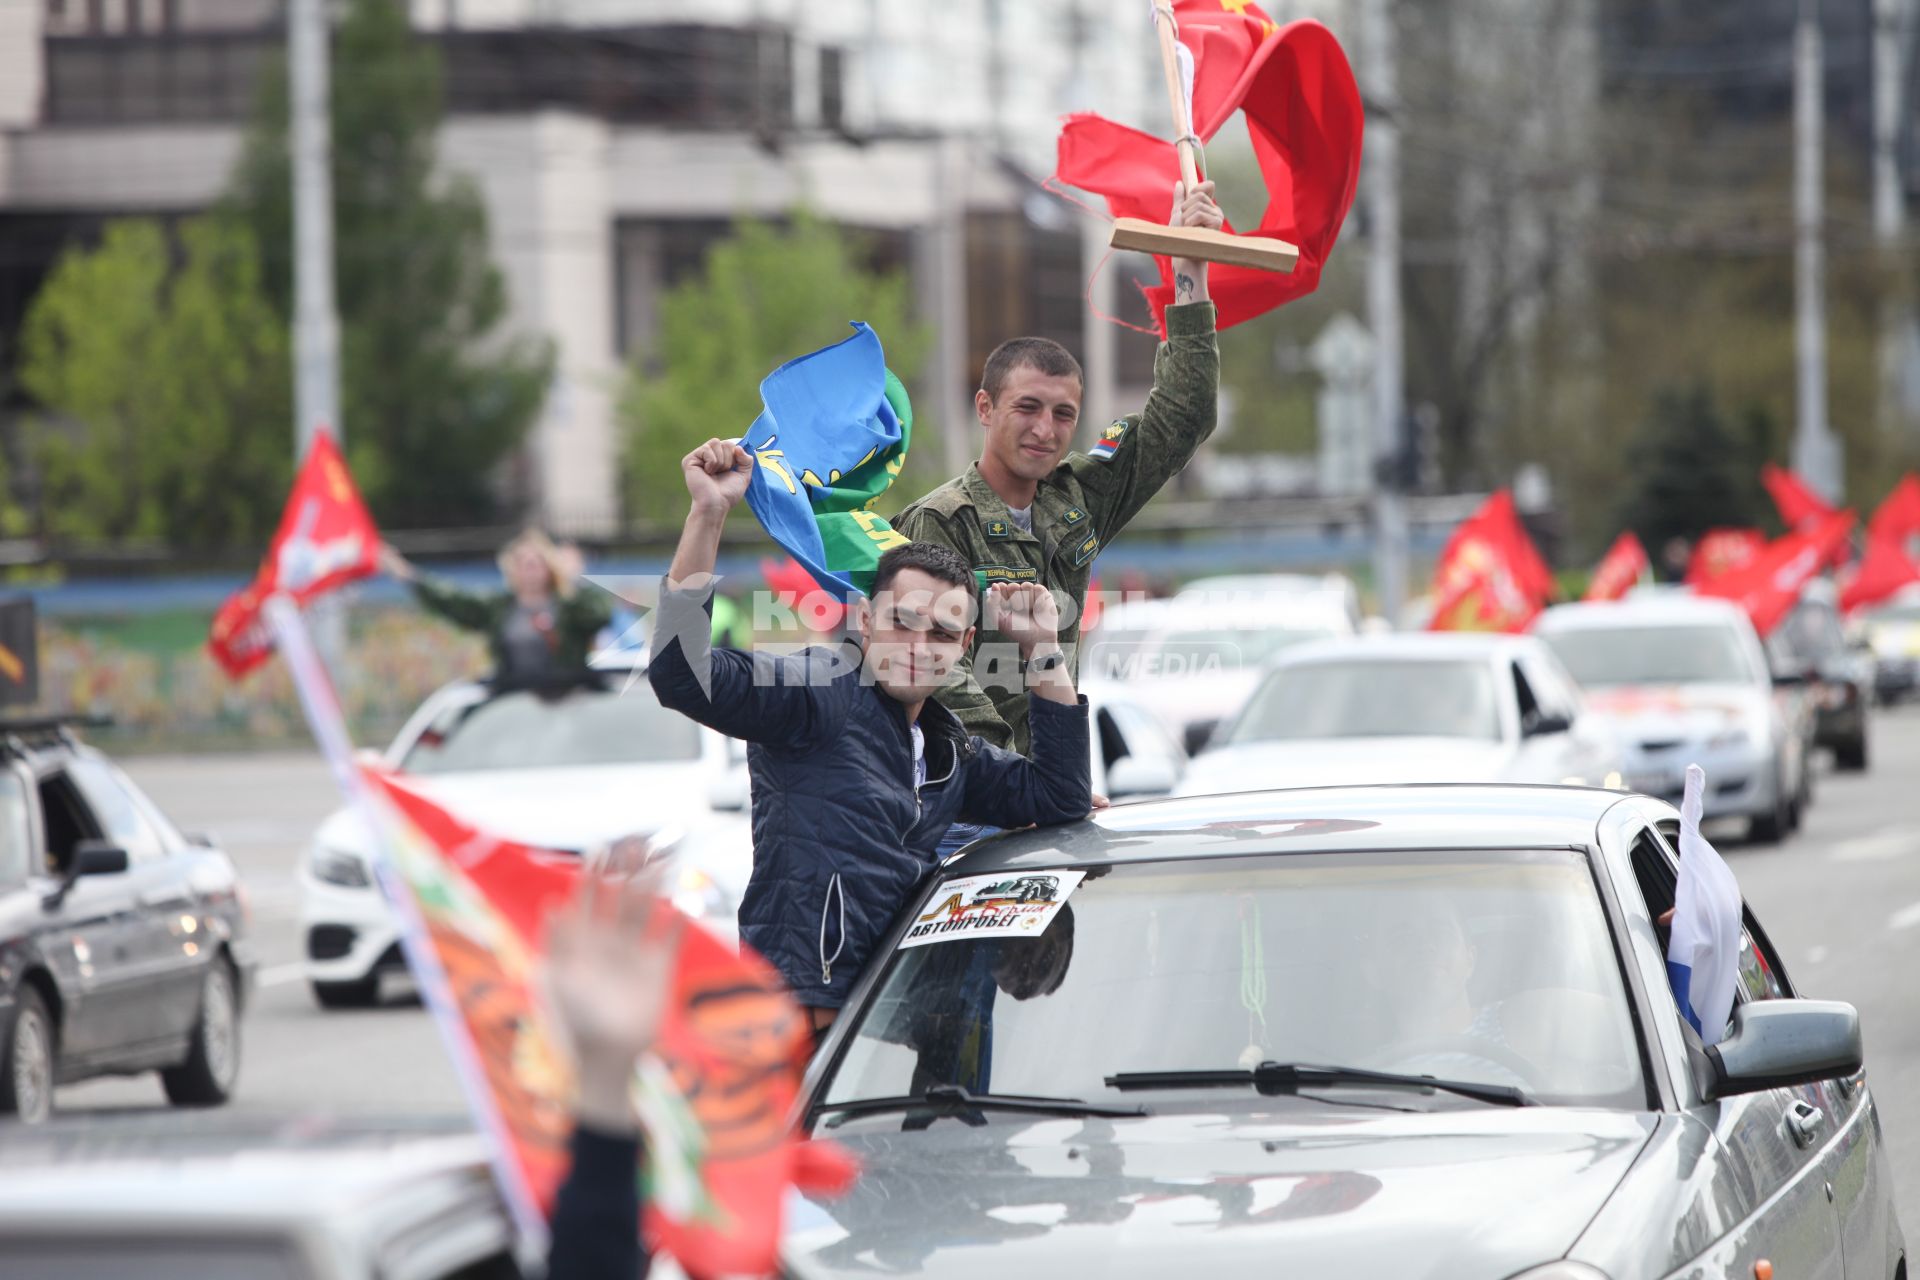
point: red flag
(1899, 516)
(732, 1048)
(1490, 576)
(1801, 509)
(325, 539)
(1624, 564)
(1768, 586)
(795, 588)
(1883, 573)
(1721, 551)
(1303, 114)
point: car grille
(330, 941)
(1661, 744)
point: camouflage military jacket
(1077, 511)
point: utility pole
(1380, 178)
(316, 324)
(1816, 451)
(1890, 19)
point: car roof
(1316, 820)
(1639, 611)
(1416, 646)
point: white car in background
(1194, 659)
(572, 771)
(1415, 708)
(1683, 680)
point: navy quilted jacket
(839, 837)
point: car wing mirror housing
(1132, 777)
(89, 858)
(1542, 725)
(1775, 1044)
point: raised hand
(1025, 613)
(717, 474)
(1194, 208)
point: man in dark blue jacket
(857, 772)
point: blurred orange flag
(1623, 566)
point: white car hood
(1178, 701)
(1333, 762)
(572, 808)
(1681, 713)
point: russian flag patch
(1109, 440)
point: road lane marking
(1905, 918)
(1881, 846)
(281, 974)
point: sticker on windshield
(1011, 904)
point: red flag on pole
(1624, 565)
(1801, 509)
(1721, 551)
(1899, 516)
(1303, 114)
(326, 539)
(1768, 586)
(1883, 573)
(1490, 576)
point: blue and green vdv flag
(831, 438)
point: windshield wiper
(1291, 1077)
(952, 1099)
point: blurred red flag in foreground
(721, 1154)
(795, 588)
(1303, 113)
(1899, 516)
(1801, 510)
(1490, 576)
(1721, 551)
(326, 539)
(1883, 572)
(1768, 586)
(1624, 564)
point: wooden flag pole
(1201, 243)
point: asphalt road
(1841, 900)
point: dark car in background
(1811, 643)
(123, 944)
(1361, 1031)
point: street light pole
(316, 324)
(1380, 176)
(1816, 451)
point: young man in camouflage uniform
(1029, 511)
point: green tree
(1689, 472)
(166, 391)
(433, 395)
(768, 293)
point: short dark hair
(943, 564)
(1044, 354)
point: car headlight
(697, 895)
(1563, 1271)
(337, 866)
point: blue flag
(830, 440)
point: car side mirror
(1542, 725)
(1775, 1044)
(97, 858)
(1135, 777)
(90, 858)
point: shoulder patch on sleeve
(1109, 440)
(1088, 548)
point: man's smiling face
(1030, 423)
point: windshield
(1359, 699)
(1601, 657)
(1491, 967)
(528, 730)
(1225, 648)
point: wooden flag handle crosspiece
(1203, 244)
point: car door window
(1527, 703)
(1553, 692)
(69, 820)
(1655, 867)
(117, 813)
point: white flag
(1703, 954)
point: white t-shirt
(919, 757)
(1022, 516)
